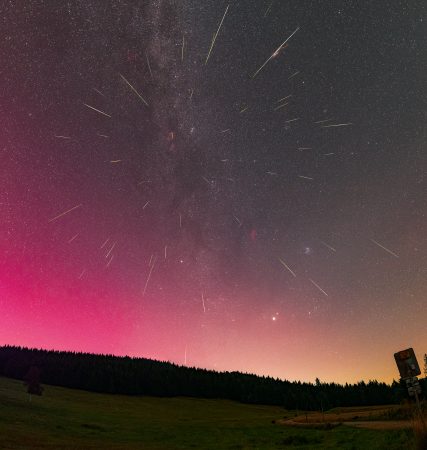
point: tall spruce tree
(32, 381)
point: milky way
(236, 185)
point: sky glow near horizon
(262, 209)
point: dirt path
(381, 424)
(371, 417)
(371, 424)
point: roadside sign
(413, 386)
(407, 363)
(409, 369)
(413, 390)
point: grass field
(73, 419)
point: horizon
(187, 366)
(183, 365)
(217, 184)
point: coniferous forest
(140, 376)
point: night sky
(181, 181)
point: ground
(72, 419)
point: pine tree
(32, 381)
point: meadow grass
(420, 432)
(73, 419)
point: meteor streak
(182, 48)
(281, 106)
(328, 246)
(65, 212)
(149, 276)
(148, 64)
(216, 35)
(97, 110)
(287, 267)
(133, 89)
(384, 248)
(318, 287)
(337, 125)
(273, 54)
(111, 249)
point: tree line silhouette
(140, 376)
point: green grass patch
(72, 419)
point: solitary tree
(32, 381)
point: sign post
(407, 363)
(409, 369)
